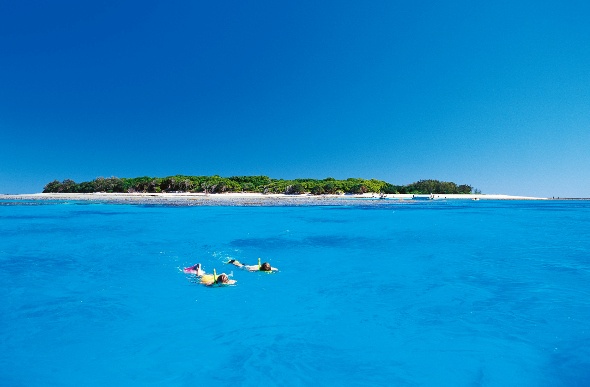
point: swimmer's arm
(212, 283)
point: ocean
(412, 293)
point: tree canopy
(261, 184)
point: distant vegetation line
(261, 184)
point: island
(254, 184)
(255, 191)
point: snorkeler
(195, 269)
(216, 280)
(260, 267)
(209, 279)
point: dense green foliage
(262, 184)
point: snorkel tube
(259, 265)
(214, 276)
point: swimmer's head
(222, 279)
(265, 267)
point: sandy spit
(251, 199)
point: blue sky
(491, 94)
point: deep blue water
(456, 293)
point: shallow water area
(400, 293)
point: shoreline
(254, 199)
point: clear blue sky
(493, 94)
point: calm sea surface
(453, 293)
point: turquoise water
(456, 293)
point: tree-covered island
(259, 184)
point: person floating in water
(260, 267)
(216, 280)
(209, 279)
(195, 269)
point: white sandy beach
(252, 198)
